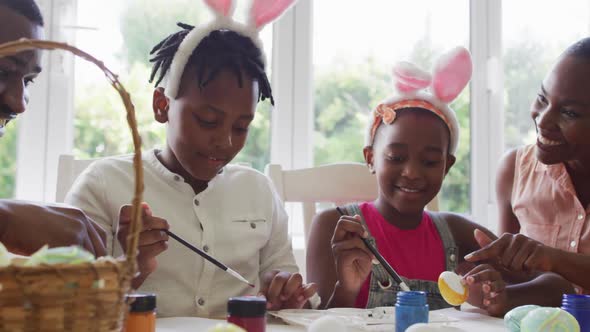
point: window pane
(531, 44)
(122, 33)
(352, 62)
(8, 160)
(257, 150)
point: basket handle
(21, 45)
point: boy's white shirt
(244, 225)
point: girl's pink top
(414, 253)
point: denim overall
(383, 290)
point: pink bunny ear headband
(261, 13)
(450, 75)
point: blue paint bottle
(579, 307)
(411, 308)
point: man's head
(18, 19)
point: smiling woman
(544, 188)
(561, 110)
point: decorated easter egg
(226, 327)
(60, 255)
(549, 320)
(8, 258)
(513, 317)
(451, 288)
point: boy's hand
(515, 252)
(487, 290)
(152, 240)
(27, 226)
(352, 257)
(284, 290)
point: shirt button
(201, 301)
(580, 216)
(452, 258)
(196, 201)
(206, 248)
(573, 244)
(176, 178)
(253, 225)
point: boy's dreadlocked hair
(221, 49)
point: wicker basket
(86, 297)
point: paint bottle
(579, 307)
(247, 312)
(410, 308)
(142, 313)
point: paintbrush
(382, 261)
(209, 258)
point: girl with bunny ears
(410, 148)
(209, 80)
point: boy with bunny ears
(410, 147)
(209, 80)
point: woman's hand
(515, 252)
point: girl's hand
(353, 258)
(515, 252)
(487, 289)
(152, 240)
(284, 290)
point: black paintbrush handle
(197, 250)
(383, 262)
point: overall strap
(451, 250)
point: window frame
(48, 133)
(487, 108)
(50, 129)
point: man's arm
(27, 226)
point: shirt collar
(175, 180)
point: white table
(194, 324)
(470, 319)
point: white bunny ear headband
(261, 13)
(416, 88)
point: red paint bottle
(247, 312)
